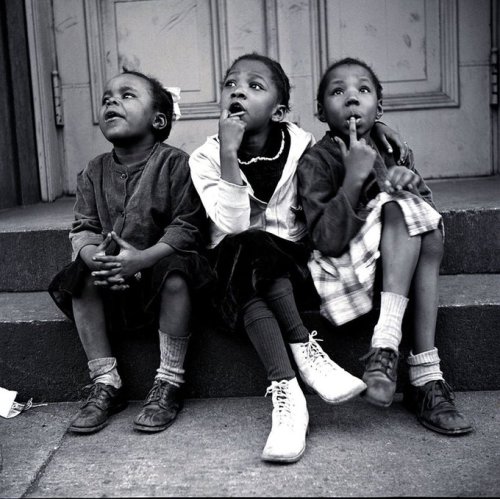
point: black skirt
(135, 308)
(246, 263)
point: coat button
(123, 175)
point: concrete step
(41, 355)
(35, 245)
(213, 450)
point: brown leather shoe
(160, 408)
(380, 376)
(102, 402)
(433, 404)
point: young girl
(246, 180)
(135, 243)
(360, 205)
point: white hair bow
(175, 92)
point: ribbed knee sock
(104, 371)
(387, 332)
(265, 334)
(424, 367)
(281, 301)
(173, 351)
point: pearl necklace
(261, 158)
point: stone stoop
(41, 356)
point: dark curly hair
(279, 76)
(162, 102)
(347, 61)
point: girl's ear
(380, 110)
(160, 121)
(279, 113)
(321, 112)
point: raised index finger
(353, 135)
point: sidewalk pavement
(213, 449)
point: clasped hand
(112, 270)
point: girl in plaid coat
(361, 206)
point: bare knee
(432, 245)
(175, 284)
(391, 213)
(88, 287)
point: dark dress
(246, 263)
(146, 203)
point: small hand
(403, 178)
(87, 253)
(385, 135)
(127, 263)
(359, 158)
(231, 130)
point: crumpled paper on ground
(9, 408)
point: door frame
(43, 62)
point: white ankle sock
(104, 371)
(424, 367)
(387, 332)
(173, 351)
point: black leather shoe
(102, 402)
(380, 376)
(433, 404)
(160, 408)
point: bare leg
(175, 312)
(88, 310)
(106, 396)
(399, 252)
(426, 294)
(175, 306)
(164, 400)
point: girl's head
(349, 88)
(135, 107)
(257, 86)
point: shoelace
(281, 401)
(156, 393)
(96, 393)
(382, 359)
(316, 355)
(439, 393)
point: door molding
(103, 55)
(439, 87)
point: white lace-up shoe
(287, 441)
(332, 383)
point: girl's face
(249, 87)
(127, 115)
(350, 91)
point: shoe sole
(152, 429)
(460, 431)
(95, 429)
(376, 402)
(347, 397)
(283, 460)
(286, 460)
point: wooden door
(431, 55)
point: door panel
(431, 55)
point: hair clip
(175, 92)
